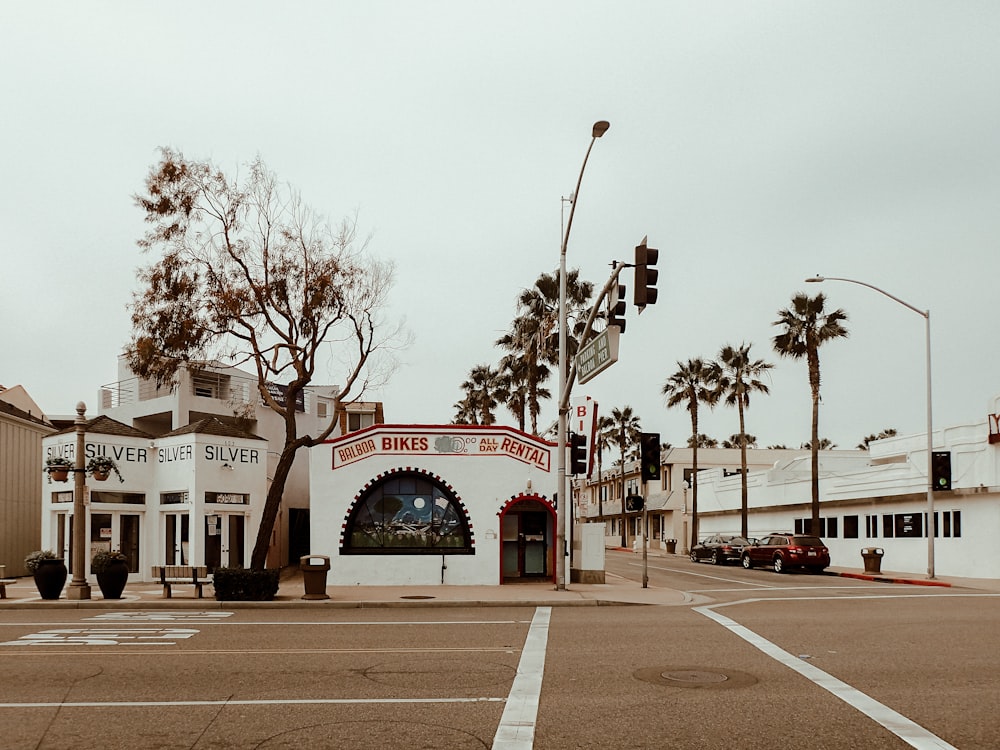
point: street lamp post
(565, 506)
(78, 587)
(926, 315)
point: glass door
(176, 530)
(225, 540)
(116, 531)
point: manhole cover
(692, 675)
(695, 677)
(416, 596)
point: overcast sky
(755, 143)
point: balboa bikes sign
(410, 444)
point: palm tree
(888, 432)
(602, 441)
(734, 441)
(513, 388)
(824, 444)
(693, 384)
(806, 327)
(480, 396)
(625, 432)
(534, 335)
(702, 441)
(740, 377)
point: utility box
(588, 554)
(314, 569)
(873, 559)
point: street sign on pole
(598, 355)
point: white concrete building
(451, 504)
(668, 501)
(231, 396)
(879, 499)
(191, 496)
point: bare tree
(249, 274)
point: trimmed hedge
(245, 585)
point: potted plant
(111, 569)
(100, 467)
(58, 468)
(48, 571)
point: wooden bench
(190, 575)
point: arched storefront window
(408, 513)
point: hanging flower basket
(58, 468)
(100, 468)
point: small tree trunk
(258, 559)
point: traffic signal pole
(645, 534)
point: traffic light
(633, 503)
(577, 453)
(616, 307)
(941, 470)
(645, 275)
(649, 455)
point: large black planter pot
(50, 577)
(112, 580)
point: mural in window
(410, 514)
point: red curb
(882, 579)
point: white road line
(287, 702)
(278, 623)
(517, 725)
(910, 732)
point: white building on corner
(451, 504)
(192, 496)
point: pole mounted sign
(598, 354)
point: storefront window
(410, 514)
(129, 498)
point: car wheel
(746, 562)
(779, 564)
(715, 557)
(694, 557)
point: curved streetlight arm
(926, 315)
(904, 303)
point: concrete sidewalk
(615, 591)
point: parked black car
(719, 549)
(785, 550)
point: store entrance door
(527, 543)
(225, 540)
(117, 531)
(176, 538)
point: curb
(885, 579)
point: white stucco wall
(891, 479)
(485, 467)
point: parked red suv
(784, 550)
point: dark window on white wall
(850, 527)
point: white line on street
(908, 731)
(286, 702)
(285, 623)
(517, 725)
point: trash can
(671, 546)
(873, 559)
(314, 568)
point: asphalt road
(753, 660)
